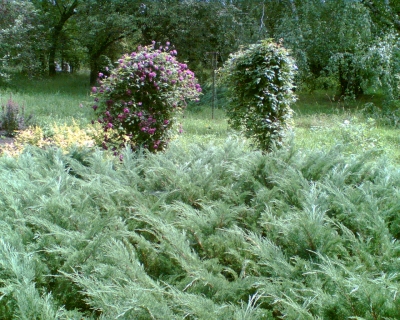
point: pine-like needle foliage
(199, 232)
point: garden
(202, 221)
(199, 159)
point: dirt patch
(5, 140)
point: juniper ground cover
(208, 229)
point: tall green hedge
(260, 89)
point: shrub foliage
(199, 232)
(138, 101)
(12, 117)
(260, 88)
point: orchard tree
(197, 28)
(385, 52)
(333, 43)
(385, 13)
(20, 29)
(104, 25)
(55, 15)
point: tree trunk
(53, 50)
(65, 15)
(94, 70)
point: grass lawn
(320, 120)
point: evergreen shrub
(260, 88)
(138, 102)
(200, 231)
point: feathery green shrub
(199, 232)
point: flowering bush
(137, 103)
(260, 87)
(12, 118)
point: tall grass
(49, 100)
(321, 120)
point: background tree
(348, 45)
(55, 14)
(104, 26)
(384, 13)
(196, 28)
(334, 43)
(19, 30)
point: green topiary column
(260, 87)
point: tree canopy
(348, 45)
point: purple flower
(109, 125)
(94, 89)
(94, 107)
(101, 75)
(126, 110)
